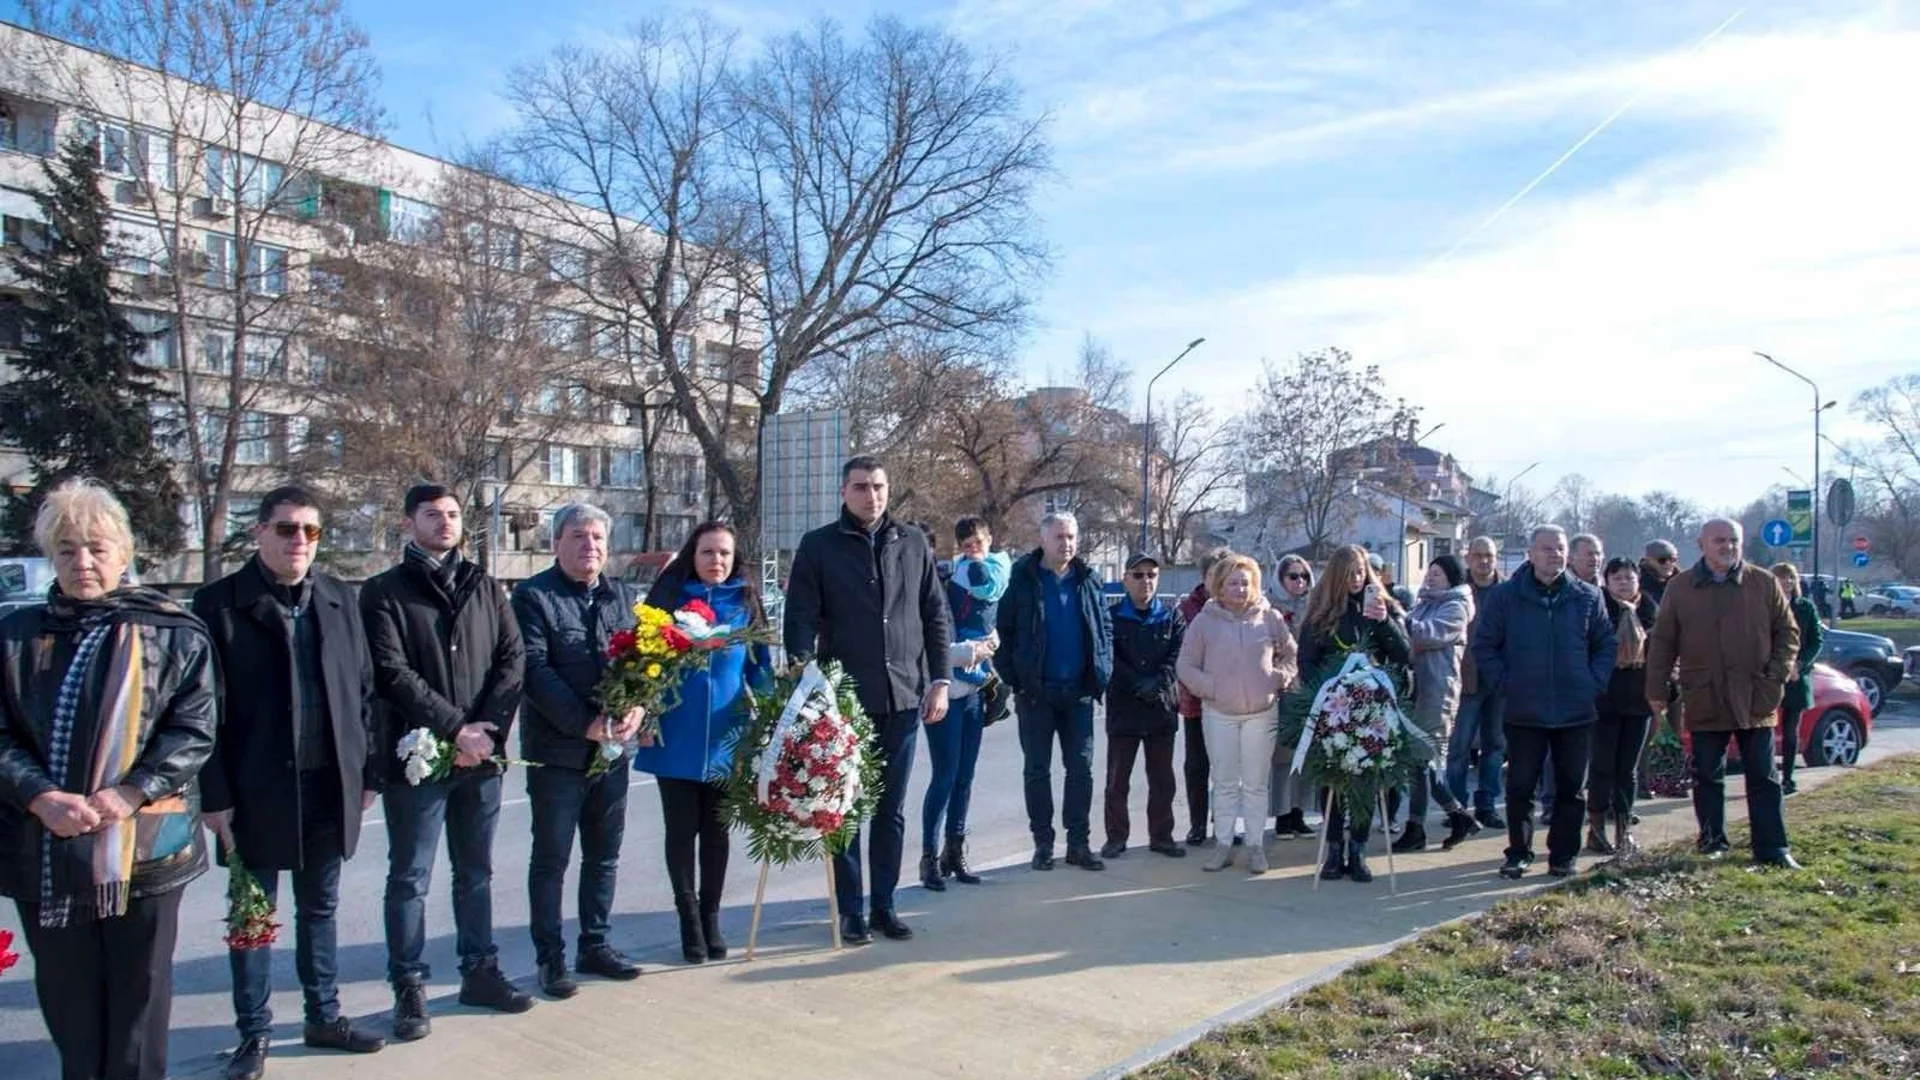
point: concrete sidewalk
(1061, 974)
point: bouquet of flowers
(1349, 734)
(647, 664)
(1669, 775)
(426, 756)
(250, 922)
(804, 773)
(8, 957)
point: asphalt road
(645, 925)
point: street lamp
(1506, 501)
(1146, 442)
(1818, 408)
(1797, 478)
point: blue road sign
(1777, 533)
(1861, 558)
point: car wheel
(1870, 685)
(1877, 610)
(1837, 739)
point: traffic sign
(1860, 543)
(1861, 558)
(1840, 503)
(1777, 533)
(1800, 516)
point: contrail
(1572, 150)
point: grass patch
(1904, 632)
(1674, 967)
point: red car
(1835, 730)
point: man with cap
(1658, 563)
(1142, 708)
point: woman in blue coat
(695, 750)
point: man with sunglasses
(1658, 564)
(1142, 713)
(292, 771)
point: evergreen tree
(79, 402)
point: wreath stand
(760, 899)
(1320, 858)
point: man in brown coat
(1729, 629)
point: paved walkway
(1061, 974)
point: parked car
(1868, 659)
(1836, 729)
(24, 582)
(1891, 601)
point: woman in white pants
(1238, 658)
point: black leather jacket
(37, 646)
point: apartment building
(265, 270)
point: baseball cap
(1139, 557)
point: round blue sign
(1861, 558)
(1777, 533)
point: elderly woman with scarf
(1350, 611)
(107, 713)
(1624, 715)
(1437, 627)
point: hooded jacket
(1146, 653)
(1437, 629)
(1238, 662)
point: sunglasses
(287, 530)
(1664, 560)
(1298, 577)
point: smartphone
(1373, 594)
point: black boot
(930, 877)
(710, 929)
(410, 1019)
(693, 936)
(953, 862)
(1335, 828)
(1597, 843)
(1460, 825)
(1357, 862)
(1412, 838)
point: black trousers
(1198, 771)
(1121, 751)
(1611, 782)
(1528, 749)
(1764, 813)
(1789, 740)
(106, 988)
(697, 842)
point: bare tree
(242, 111)
(444, 362)
(1194, 473)
(1311, 437)
(890, 186)
(1573, 498)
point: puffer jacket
(1437, 628)
(1238, 662)
(180, 700)
(698, 736)
(566, 627)
(1548, 650)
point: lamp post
(1506, 501)
(1818, 408)
(1146, 442)
(1417, 440)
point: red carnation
(8, 957)
(676, 639)
(700, 608)
(620, 644)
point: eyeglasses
(287, 530)
(1143, 575)
(1664, 560)
(1299, 577)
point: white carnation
(417, 771)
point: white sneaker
(1257, 859)
(1219, 858)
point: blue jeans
(1481, 718)
(565, 801)
(1044, 718)
(468, 808)
(316, 895)
(894, 735)
(953, 745)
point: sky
(1280, 177)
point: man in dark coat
(567, 615)
(1545, 645)
(447, 657)
(1728, 628)
(1142, 712)
(1056, 653)
(292, 771)
(865, 591)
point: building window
(26, 127)
(561, 465)
(257, 180)
(156, 347)
(255, 446)
(294, 438)
(624, 468)
(216, 352)
(503, 247)
(167, 422)
(267, 269)
(20, 232)
(266, 357)
(320, 367)
(328, 286)
(219, 261)
(411, 221)
(141, 247)
(567, 263)
(130, 153)
(626, 531)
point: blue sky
(1283, 176)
